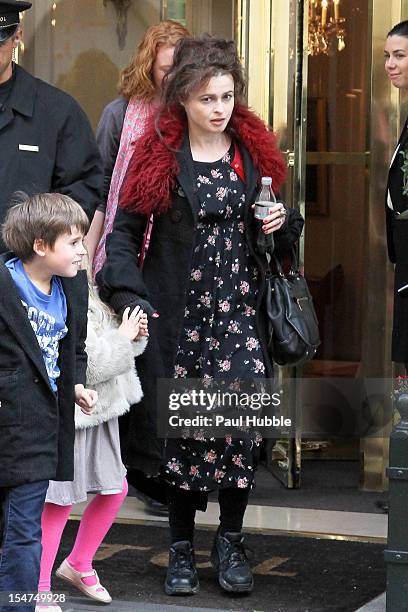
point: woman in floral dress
(219, 339)
(198, 170)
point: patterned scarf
(136, 117)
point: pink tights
(96, 521)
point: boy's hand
(85, 398)
(131, 323)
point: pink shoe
(96, 591)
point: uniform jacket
(168, 190)
(397, 230)
(37, 429)
(111, 370)
(65, 158)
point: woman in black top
(396, 66)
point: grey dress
(98, 466)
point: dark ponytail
(401, 29)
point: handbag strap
(294, 264)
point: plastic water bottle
(263, 202)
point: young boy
(43, 317)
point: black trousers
(182, 509)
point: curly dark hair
(196, 60)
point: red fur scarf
(153, 168)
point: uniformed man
(46, 141)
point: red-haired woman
(197, 170)
(123, 122)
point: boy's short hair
(44, 216)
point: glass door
(202, 16)
(351, 120)
(338, 119)
(82, 46)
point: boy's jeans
(21, 546)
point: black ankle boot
(229, 558)
(182, 578)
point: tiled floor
(347, 525)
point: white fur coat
(111, 370)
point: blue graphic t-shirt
(46, 313)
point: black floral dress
(219, 339)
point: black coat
(37, 430)
(163, 286)
(397, 243)
(397, 230)
(108, 135)
(67, 160)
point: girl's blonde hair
(136, 78)
(103, 313)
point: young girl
(98, 468)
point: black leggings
(182, 509)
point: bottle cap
(266, 180)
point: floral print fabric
(219, 338)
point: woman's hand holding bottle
(270, 214)
(274, 219)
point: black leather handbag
(293, 330)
